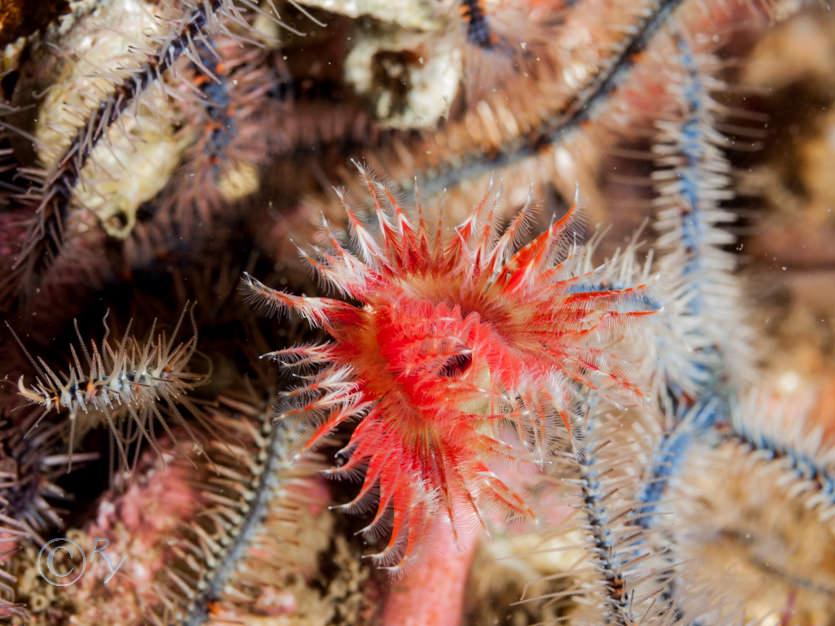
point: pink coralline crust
(157, 501)
(133, 526)
(148, 510)
(449, 336)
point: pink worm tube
(431, 592)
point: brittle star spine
(241, 527)
(58, 187)
(582, 108)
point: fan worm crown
(456, 349)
